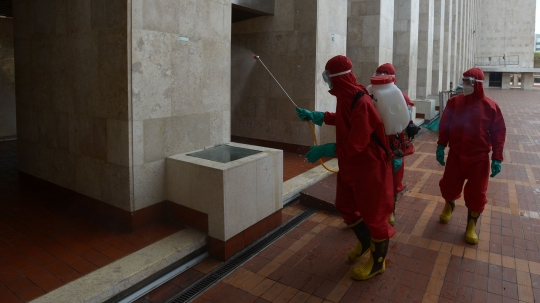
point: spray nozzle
(256, 57)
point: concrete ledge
(295, 185)
(118, 276)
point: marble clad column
(527, 81)
(455, 43)
(446, 55)
(406, 13)
(463, 37)
(471, 36)
(331, 40)
(438, 46)
(459, 52)
(425, 49)
(505, 81)
(486, 79)
(468, 40)
(370, 36)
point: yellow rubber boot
(362, 247)
(392, 218)
(470, 234)
(446, 214)
(376, 263)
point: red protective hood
(344, 86)
(478, 74)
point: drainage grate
(226, 268)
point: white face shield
(326, 76)
(468, 84)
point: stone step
(108, 281)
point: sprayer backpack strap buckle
(357, 97)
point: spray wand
(258, 58)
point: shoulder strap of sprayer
(356, 98)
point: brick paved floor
(43, 248)
(427, 261)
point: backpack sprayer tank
(390, 104)
(394, 113)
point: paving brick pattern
(42, 248)
(427, 261)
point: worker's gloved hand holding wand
(316, 117)
(319, 151)
(440, 154)
(396, 164)
(496, 167)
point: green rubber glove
(319, 151)
(440, 154)
(316, 117)
(496, 167)
(397, 164)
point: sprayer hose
(315, 139)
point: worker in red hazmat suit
(364, 196)
(472, 125)
(397, 164)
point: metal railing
(496, 60)
(445, 95)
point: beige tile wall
(288, 44)
(72, 97)
(106, 91)
(180, 90)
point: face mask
(326, 77)
(468, 90)
(468, 84)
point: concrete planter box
(234, 195)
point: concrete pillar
(331, 34)
(405, 56)
(505, 81)
(461, 39)
(466, 36)
(448, 34)
(455, 43)
(472, 35)
(438, 46)
(370, 35)
(486, 80)
(425, 49)
(527, 81)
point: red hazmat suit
(471, 126)
(364, 182)
(397, 176)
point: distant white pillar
(448, 34)
(486, 79)
(505, 81)
(438, 46)
(527, 81)
(406, 44)
(370, 34)
(455, 43)
(461, 38)
(425, 49)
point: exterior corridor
(427, 261)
